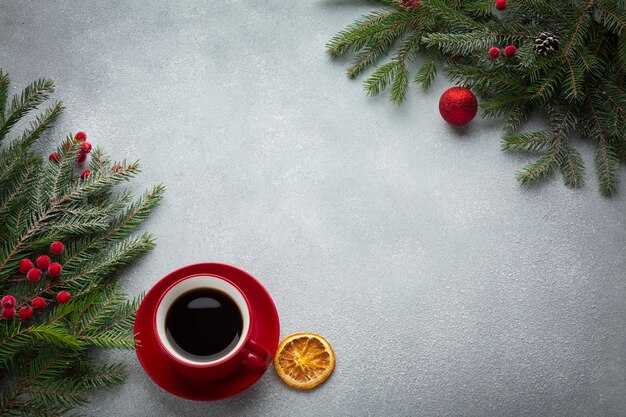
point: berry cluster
(81, 156)
(509, 52)
(34, 271)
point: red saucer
(265, 330)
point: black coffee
(203, 324)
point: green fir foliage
(46, 364)
(581, 86)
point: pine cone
(545, 44)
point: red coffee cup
(246, 354)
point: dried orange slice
(304, 360)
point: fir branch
(4, 93)
(53, 334)
(33, 409)
(539, 9)
(579, 32)
(517, 117)
(121, 227)
(15, 191)
(41, 124)
(538, 169)
(110, 340)
(574, 81)
(526, 142)
(48, 359)
(97, 313)
(371, 54)
(94, 376)
(32, 96)
(589, 60)
(355, 36)
(428, 70)
(15, 339)
(613, 17)
(460, 43)
(452, 17)
(380, 79)
(606, 159)
(119, 255)
(498, 106)
(606, 165)
(571, 163)
(400, 85)
(545, 88)
(98, 183)
(62, 394)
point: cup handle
(256, 357)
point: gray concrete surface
(445, 288)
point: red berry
(39, 303)
(54, 157)
(26, 265)
(8, 313)
(85, 147)
(26, 313)
(54, 270)
(81, 136)
(63, 297)
(494, 52)
(8, 301)
(56, 248)
(34, 275)
(85, 174)
(81, 157)
(117, 168)
(510, 51)
(500, 4)
(43, 262)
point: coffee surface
(203, 324)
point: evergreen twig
(47, 362)
(582, 84)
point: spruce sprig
(580, 87)
(46, 364)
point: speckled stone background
(445, 288)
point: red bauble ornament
(39, 303)
(500, 4)
(458, 105)
(8, 301)
(510, 51)
(494, 52)
(54, 270)
(85, 174)
(34, 275)
(43, 262)
(81, 136)
(26, 313)
(54, 157)
(26, 265)
(85, 147)
(56, 248)
(8, 313)
(63, 297)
